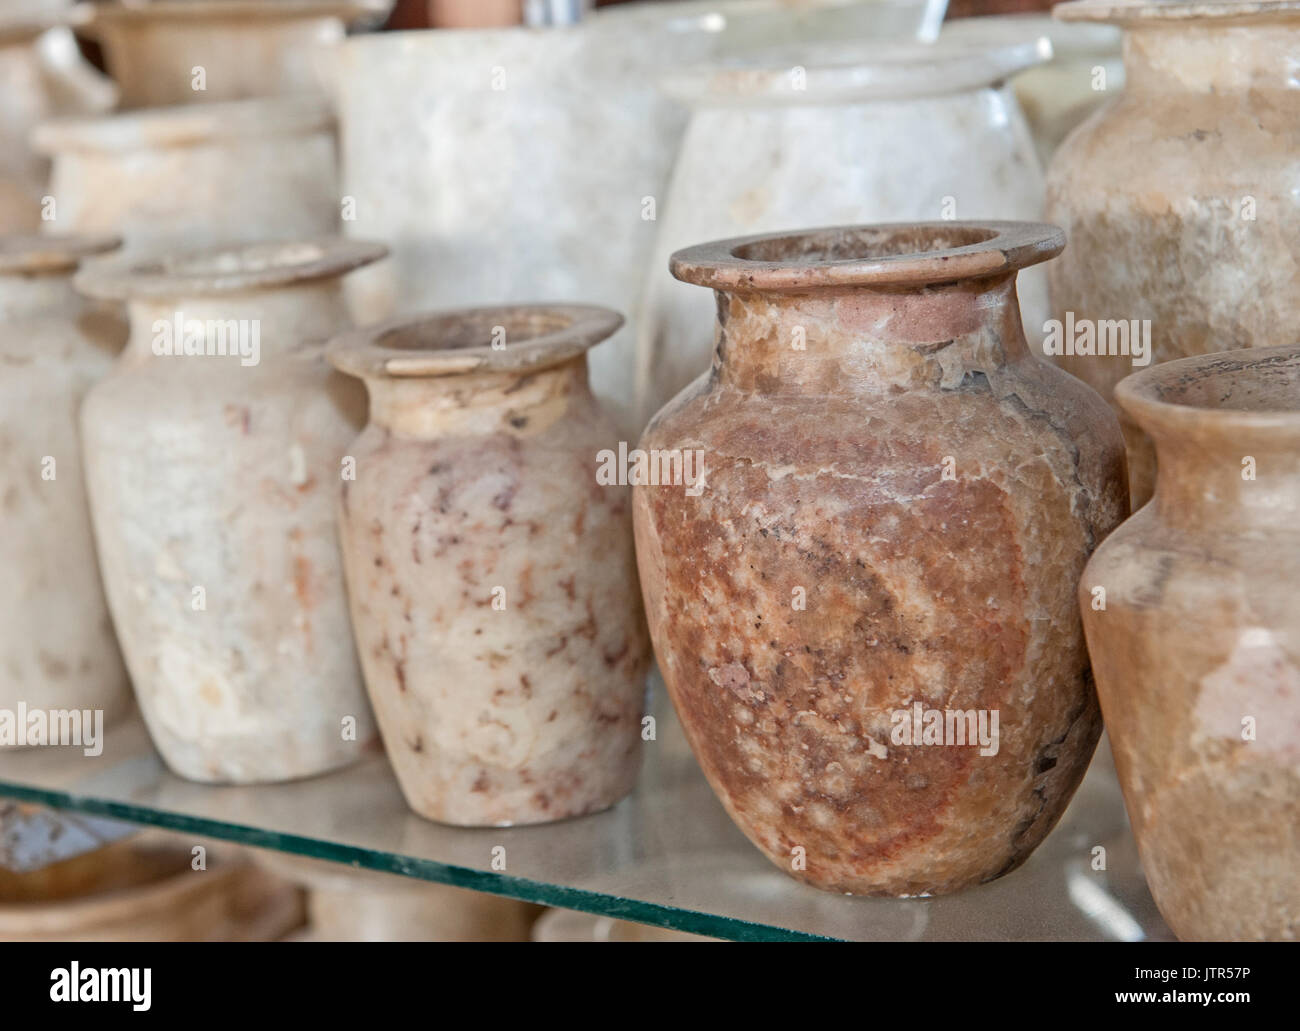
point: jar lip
(885, 254)
(1132, 13)
(236, 268)
(199, 12)
(838, 73)
(185, 125)
(1167, 395)
(445, 343)
(28, 254)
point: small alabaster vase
(57, 650)
(866, 616)
(1192, 611)
(212, 454)
(1179, 197)
(491, 574)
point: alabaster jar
(192, 177)
(41, 76)
(1192, 611)
(1179, 197)
(490, 571)
(195, 51)
(57, 648)
(853, 134)
(212, 455)
(864, 606)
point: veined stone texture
(1179, 197)
(900, 499)
(57, 649)
(1197, 648)
(491, 577)
(212, 487)
(859, 134)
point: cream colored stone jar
(57, 649)
(852, 134)
(1192, 611)
(168, 52)
(866, 619)
(491, 576)
(1179, 197)
(213, 454)
(192, 177)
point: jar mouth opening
(504, 338)
(1249, 387)
(1136, 13)
(230, 269)
(38, 254)
(886, 254)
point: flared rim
(234, 269)
(1133, 13)
(496, 338)
(883, 254)
(34, 254)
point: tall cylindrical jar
(193, 177)
(829, 135)
(1192, 611)
(490, 565)
(1179, 197)
(57, 649)
(864, 609)
(212, 455)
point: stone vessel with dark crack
(866, 614)
(491, 575)
(1192, 611)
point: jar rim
(457, 341)
(39, 253)
(235, 268)
(1133, 13)
(886, 254)
(202, 11)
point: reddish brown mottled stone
(850, 364)
(1192, 611)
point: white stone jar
(161, 52)
(491, 575)
(199, 176)
(57, 648)
(856, 134)
(212, 483)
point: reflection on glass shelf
(668, 855)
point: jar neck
(244, 326)
(1223, 476)
(33, 295)
(847, 341)
(1209, 58)
(474, 403)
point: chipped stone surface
(1178, 197)
(57, 649)
(492, 579)
(1197, 652)
(195, 472)
(825, 473)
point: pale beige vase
(1192, 612)
(57, 649)
(1178, 197)
(212, 482)
(491, 577)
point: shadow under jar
(899, 499)
(1192, 611)
(491, 576)
(212, 451)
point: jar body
(1179, 199)
(56, 639)
(873, 544)
(495, 603)
(752, 169)
(212, 488)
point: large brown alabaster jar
(898, 501)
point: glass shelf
(668, 855)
